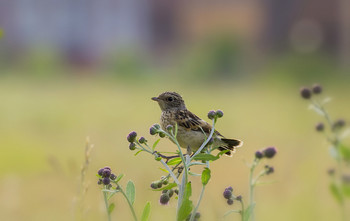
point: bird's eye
(170, 99)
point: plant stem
(130, 204)
(242, 211)
(251, 188)
(198, 203)
(105, 195)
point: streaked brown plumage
(190, 127)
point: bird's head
(170, 100)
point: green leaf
(206, 176)
(164, 170)
(138, 152)
(344, 152)
(167, 187)
(222, 153)
(130, 191)
(146, 212)
(346, 189)
(111, 208)
(205, 157)
(248, 212)
(186, 206)
(119, 178)
(174, 161)
(336, 192)
(155, 144)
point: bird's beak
(155, 98)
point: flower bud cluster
(228, 194)
(268, 152)
(105, 176)
(306, 93)
(215, 114)
(166, 195)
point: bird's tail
(231, 145)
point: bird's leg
(189, 150)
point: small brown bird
(190, 127)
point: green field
(44, 124)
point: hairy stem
(105, 195)
(130, 204)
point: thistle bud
(164, 199)
(219, 113)
(132, 146)
(317, 89)
(269, 152)
(211, 114)
(132, 136)
(142, 140)
(305, 93)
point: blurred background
(76, 69)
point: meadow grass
(44, 125)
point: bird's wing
(190, 121)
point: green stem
(198, 203)
(130, 204)
(242, 211)
(251, 188)
(105, 195)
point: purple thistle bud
(259, 155)
(107, 168)
(227, 193)
(132, 136)
(317, 89)
(339, 124)
(230, 201)
(100, 171)
(106, 173)
(153, 130)
(219, 113)
(132, 146)
(142, 140)
(305, 93)
(164, 199)
(239, 198)
(229, 188)
(211, 114)
(269, 170)
(169, 128)
(319, 127)
(113, 176)
(106, 181)
(269, 152)
(154, 185)
(99, 182)
(170, 192)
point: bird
(191, 128)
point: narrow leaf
(119, 178)
(206, 176)
(164, 170)
(222, 153)
(138, 152)
(130, 191)
(167, 187)
(174, 161)
(155, 144)
(146, 212)
(206, 157)
(111, 208)
(248, 212)
(186, 206)
(336, 193)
